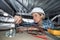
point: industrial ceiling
(51, 7)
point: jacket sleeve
(50, 24)
(25, 24)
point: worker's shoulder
(47, 21)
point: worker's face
(37, 17)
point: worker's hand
(33, 28)
(17, 19)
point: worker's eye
(40, 14)
(36, 15)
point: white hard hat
(37, 9)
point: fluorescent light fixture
(5, 14)
(28, 20)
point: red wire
(38, 36)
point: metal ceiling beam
(48, 4)
(56, 3)
(4, 6)
(42, 3)
(22, 4)
(55, 8)
(7, 5)
(54, 13)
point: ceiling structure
(51, 7)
